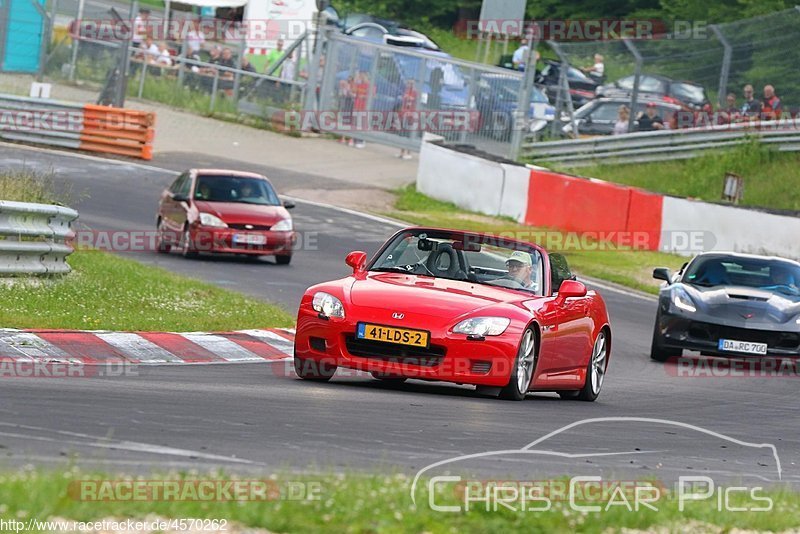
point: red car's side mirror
(571, 288)
(357, 260)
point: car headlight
(206, 219)
(283, 226)
(327, 305)
(682, 300)
(482, 326)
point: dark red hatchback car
(222, 211)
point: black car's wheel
(523, 369)
(307, 369)
(657, 351)
(162, 246)
(596, 369)
(283, 260)
(187, 247)
(391, 379)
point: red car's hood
(410, 293)
(241, 213)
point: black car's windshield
(220, 188)
(478, 259)
(775, 275)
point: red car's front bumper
(449, 357)
(227, 240)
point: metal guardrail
(662, 145)
(34, 238)
(63, 131)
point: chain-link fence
(393, 95)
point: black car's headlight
(682, 300)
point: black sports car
(725, 304)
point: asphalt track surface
(259, 418)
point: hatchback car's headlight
(482, 326)
(206, 219)
(682, 300)
(283, 226)
(327, 305)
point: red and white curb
(153, 348)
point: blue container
(22, 35)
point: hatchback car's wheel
(657, 351)
(309, 369)
(596, 370)
(162, 245)
(283, 260)
(187, 247)
(524, 367)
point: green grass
(27, 185)
(770, 177)
(105, 291)
(631, 268)
(368, 504)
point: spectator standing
(751, 107)
(520, 55)
(194, 40)
(274, 56)
(289, 69)
(164, 58)
(771, 108)
(623, 116)
(151, 50)
(408, 106)
(140, 27)
(345, 97)
(360, 96)
(731, 112)
(650, 120)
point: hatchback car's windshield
(478, 259)
(215, 188)
(773, 275)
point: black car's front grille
(252, 227)
(713, 332)
(425, 357)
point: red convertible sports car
(459, 307)
(222, 211)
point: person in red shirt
(771, 105)
(408, 106)
(360, 98)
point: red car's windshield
(217, 188)
(470, 258)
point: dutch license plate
(731, 345)
(389, 334)
(250, 239)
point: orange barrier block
(119, 131)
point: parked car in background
(496, 98)
(680, 92)
(582, 88)
(598, 116)
(384, 31)
(224, 211)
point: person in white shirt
(520, 55)
(289, 68)
(621, 126)
(598, 70)
(140, 27)
(194, 39)
(164, 57)
(151, 50)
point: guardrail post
(76, 41)
(726, 64)
(636, 80)
(214, 88)
(181, 64)
(142, 76)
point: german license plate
(389, 334)
(748, 347)
(250, 239)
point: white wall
(716, 227)
(471, 182)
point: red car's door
(175, 212)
